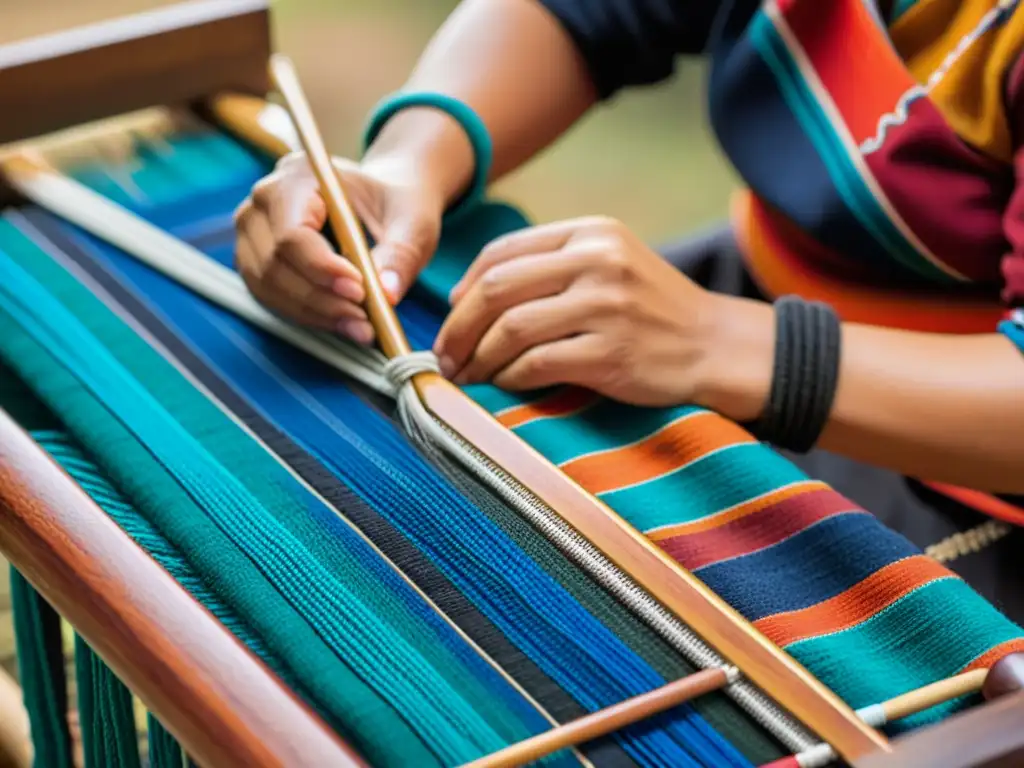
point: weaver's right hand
(293, 270)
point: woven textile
(277, 486)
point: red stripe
(982, 502)
(757, 530)
(855, 63)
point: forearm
(515, 66)
(936, 407)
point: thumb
(405, 248)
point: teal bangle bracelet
(463, 114)
(1013, 328)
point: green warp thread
(41, 670)
(164, 749)
(106, 712)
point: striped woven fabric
(421, 617)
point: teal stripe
(716, 482)
(859, 663)
(850, 185)
(604, 426)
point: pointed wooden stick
(344, 222)
(608, 720)
(896, 708)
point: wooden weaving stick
(720, 625)
(608, 720)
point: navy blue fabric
(634, 42)
(743, 582)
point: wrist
(430, 148)
(735, 375)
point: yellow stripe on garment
(971, 94)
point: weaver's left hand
(581, 302)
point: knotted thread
(400, 370)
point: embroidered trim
(968, 542)
(901, 112)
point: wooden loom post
(172, 55)
(764, 663)
(225, 707)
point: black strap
(806, 374)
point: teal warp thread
(164, 749)
(106, 713)
(69, 455)
(456, 732)
(38, 638)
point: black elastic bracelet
(805, 376)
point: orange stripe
(857, 604)
(735, 513)
(989, 658)
(781, 257)
(564, 402)
(668, 449)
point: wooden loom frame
(141, 622)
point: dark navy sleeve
(634, 42)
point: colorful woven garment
(423, 618)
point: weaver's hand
(582, 302)
(292, 269)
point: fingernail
(447, 367)
(359, 331)
(348, 289)
(389, 279)
(456, 291)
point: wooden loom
(224, 706)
